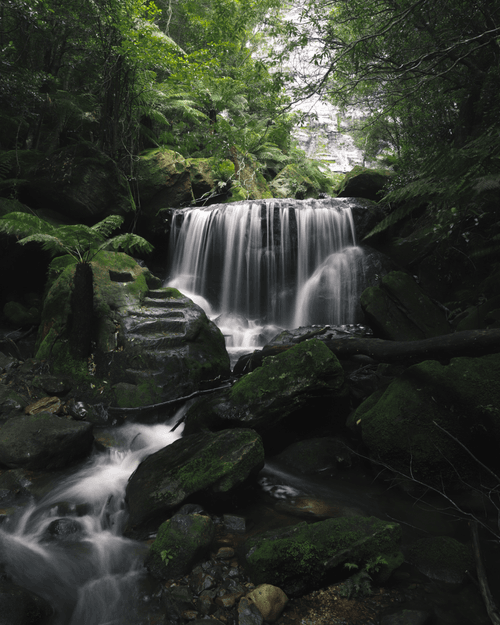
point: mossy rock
(43, 441)
(365, 183)
(292, 183)
(21, 315)
(150, 344)
(181, 541)
(302, 557)
(282, 386)
(210, 464)
(442, 558)
(399, 310)
(401, 425)
(81, 183)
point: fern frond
(128, 242)
(399, 214)
(24, 224)
(108, 225)
(50, 243)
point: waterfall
(278, 263)
(69, 549)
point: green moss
(131, 396)
(439, 553)
(290, 371)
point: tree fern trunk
(82, 307)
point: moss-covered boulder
(365, 183)
(151, 345)
(20, 315)
(409, 426)
(442, 558)
(213, 464)
(399, 310)
(80, 183)
(181, 541)
(293, 183)
(303, 557)
(285, 384)
(43, 441)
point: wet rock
(235, 524)
(53, 385)
(180, 543)
(63, 528)
(270, 601)
(311, 508)
(401, 424)
(11, 400)
(300, 557)
(249, 613)
(399, 310)
(177, 600)
(7, 362)
(43, 441)
(19, 606)
(442, 558)
(407, 617)
(210, 463)
(284, 384)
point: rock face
(210, 463)
(299, 558)
(283, 385)
(398, 310)
(43, 441)
(401, 425)
(151, 344)
(180, 543)
(80, 183)
(442, 558)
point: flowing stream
(68, 547)
(258, 267)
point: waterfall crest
(275, 262)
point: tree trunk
(82, 309)
(466, 343)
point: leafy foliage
(79, 241)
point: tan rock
(46, 404)
(270, 600)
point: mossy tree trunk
(82, 309)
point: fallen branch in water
(465, 343)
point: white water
(90, 577)
(273, 263)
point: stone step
(164, 326)
(140, 375)
(156, 302)
(155, 342)
(157, 313)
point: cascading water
(278, 263)
(68, 547)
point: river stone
(19, 606)
(399, 310)
(180, 543)
(315, 455)
(362, 182)
(43, 441)
(299, 558)
(270, 600)
(401, 424)
(280, 387)
(212, 463)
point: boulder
(362, 182)
(81, 183)
(152, 344)
(398, 310)
(19, 606)
(43, 441)
(315, 455)
(20, 315)
(301, 557)
(213, 464)
(401, 425)
(270, 601)
(180, 543)
(284, 384)
(442, 558)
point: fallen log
(442, 348)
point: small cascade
(69, 549)
(273, 263)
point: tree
(81, 243)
